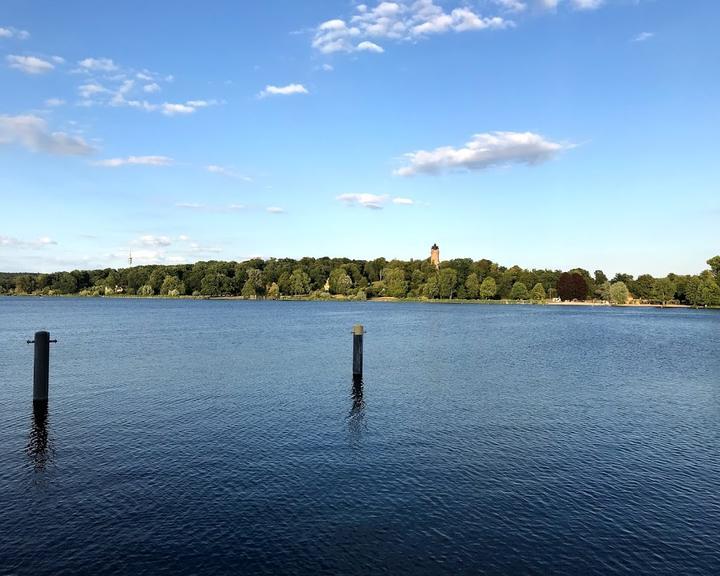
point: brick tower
(435, 255)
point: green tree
(604, 291)
(248, 290)
(447, 280)
(172, 284)
(145, 290)
(488, 288)
(273, 292)
(472, 286)
(431, 289)
(693, 291)
(664, 290)
(65, 283)
(538, 294)
(215, 284)
(395, 284)
(643, 287)
(714, 264)
(157, 276)
(24, 284)
(340, 281)
(710, 292)
(519, 291)
(299, 282)
(619, 293)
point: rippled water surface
(221, 437)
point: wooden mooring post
(41, 371)
(358, 332)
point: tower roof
(434, 247)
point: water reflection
(356, 417)
(39, 448)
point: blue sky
(541, 133)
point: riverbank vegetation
(459, 279)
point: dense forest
(462, 279)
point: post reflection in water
(356, 417)
(39, 448)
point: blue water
(218, 437)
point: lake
(220, 437)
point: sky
(543, 133)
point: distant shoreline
(379, 299)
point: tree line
(462, 278)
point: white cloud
(14, 33)
(367, 46)
(229, 172)
(135, 161)
(643, 36)
(54, 102)
(271, 90)
(170, 109)
(401, 20)
(372, 201)
(151, 240)
(109, 84)
(586, 4)
(29, 64)
(327, 67)
(90, 89)
(10, 242)
(98, 65)
(183, 238)
(483, 151)
(206, 208)
(32, 132)
(275, 210)
(512, 5)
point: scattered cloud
(151, 240)
(367, 46)
(643, 36)
(198, 207)
(135, 161)
(90, 89)
(31, 132)
(98, 65)
(372, 201)
(11, 32)
(173, 109)
(29, 64)
(586, 4)
(271, 90)
(10, 242)
(107, 83)
(327, 68)
(229, 172)
(483, 151)
(512, 5)
(275, 210)
(402, 20)
(54, 102)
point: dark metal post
(41, 372)
(358, 332)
